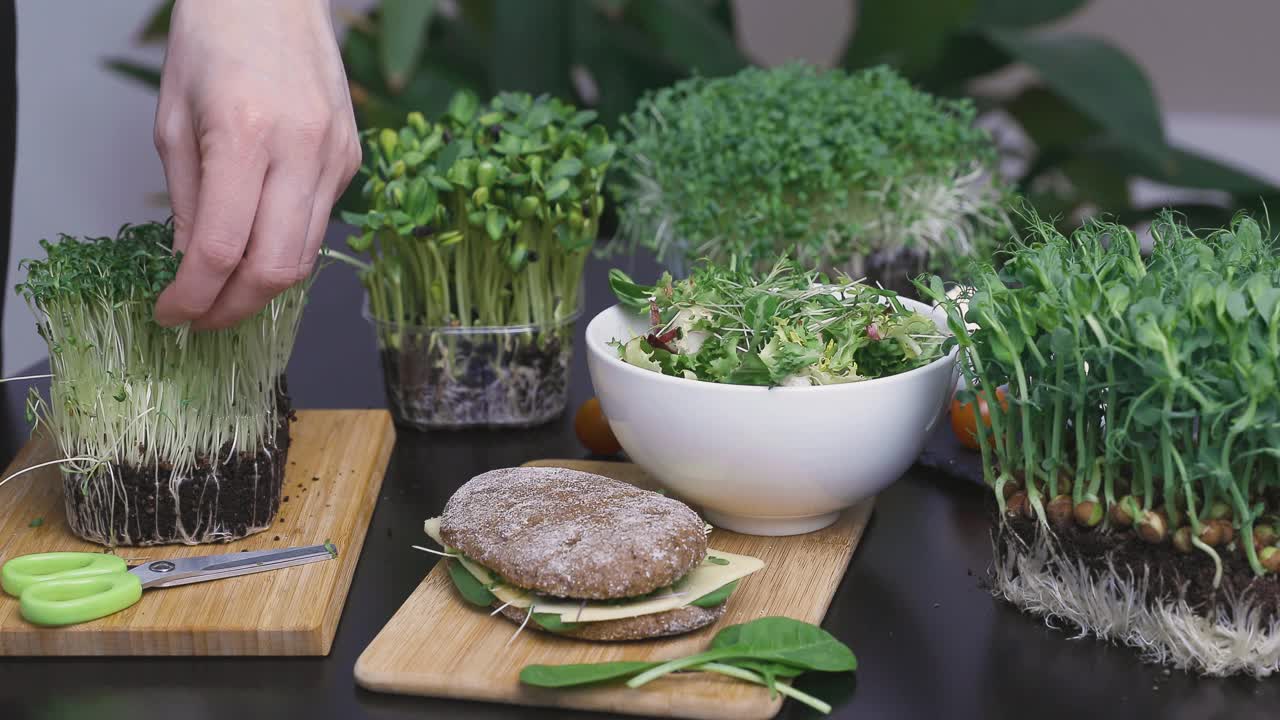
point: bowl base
(755, 525)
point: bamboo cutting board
(336, 464)
(438, 645)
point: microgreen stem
(781, 687)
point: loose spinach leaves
(759, 651)
(556, 676)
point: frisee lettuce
(787, 327)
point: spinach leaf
(468, 586)
(771, 639)
(716, 597)
(557, 676)
(551, 622)
(787, 641)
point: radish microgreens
(125, 389)
(783, 327)
(1143, 390)
(836, 169)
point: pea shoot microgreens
(484, 217)
(125, 389)
(849, 170)
(783, 327)
(1143, 391)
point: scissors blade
(184, 571)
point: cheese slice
(702, 580)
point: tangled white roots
(1112, 604)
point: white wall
(86, 162)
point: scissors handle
(22, 572)
(72, 600)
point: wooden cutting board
(336, 464)
(438, 645)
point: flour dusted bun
(572, 534)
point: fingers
(333, 182)
(271, 262)
(175, 140)
(231, 180)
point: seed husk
(1211, 534)
(1120, 514)
(1011, 487)
(1153, 527)
(1018, 505)
(1088, 513)
(1059, 511)
(1182, 540)
(1270, 557)
(1226, 529)
(1220, 511)
(1264, 535)
(1065, 483)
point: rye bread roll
(571, 534)
(641, 627)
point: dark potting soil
(229, 497)
(1172, 575)
(496, 382)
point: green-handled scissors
(65, 588)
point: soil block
(230, 497)
(491, 381)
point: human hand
(255, 129)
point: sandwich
(584, 556)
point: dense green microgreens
(784, 327)
(836, 169)
(1143, 391)
(484, 217)
(760, 651)
(125, 389)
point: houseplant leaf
(689, 34)
(1098, 80)
(157, 28)
(908, 34)
(402, 30)
(1022, 14)
(144, 74)
(530, 48)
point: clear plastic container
(461, 377)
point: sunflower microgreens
(837, 169)
(1143, 390)
(783, 327)
(483, 217)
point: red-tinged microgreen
(852, 170)
(1151, 378)
(783, 327)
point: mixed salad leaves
(787, 327)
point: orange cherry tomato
(964, 422)
(593, 430)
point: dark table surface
(931, 642)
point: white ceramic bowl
(766, 461)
